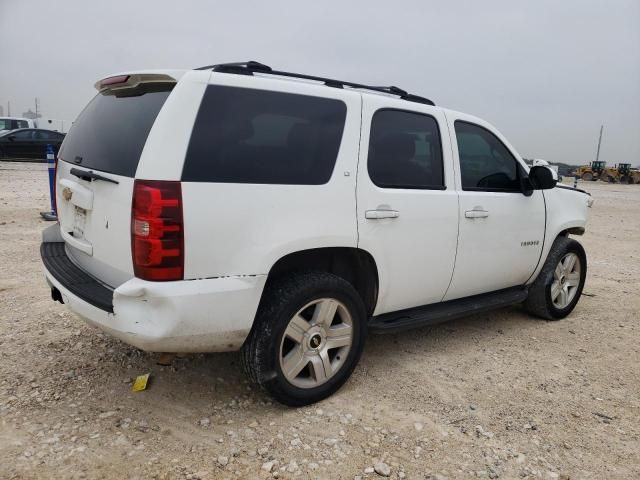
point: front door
(501, 229)
(407, 206)
(19, 144)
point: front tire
(556, 291)
(307, 337)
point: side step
(445, 311)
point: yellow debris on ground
(140, 383)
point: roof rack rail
(251, 67)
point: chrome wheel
(566, 280)
(316, 343)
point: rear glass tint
(111, 131)
(244, 135)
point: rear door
(407, 204)
(107, 138)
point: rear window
(244, 135)
(111, 131)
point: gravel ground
(498, 395)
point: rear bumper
(208, 315)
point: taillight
(157, 240)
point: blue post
(51, 166)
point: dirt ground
(498, 395)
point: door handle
(378, 214)
(476, 213)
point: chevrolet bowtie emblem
(67, 193)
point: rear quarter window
(245, 135)
(111, 131)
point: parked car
(29, 143)
(229, 208)
(13, 123)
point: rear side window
(111, 131)
(244, 135)
(44, 135)
(405, 151)
(485, 163)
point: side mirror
(542, 178)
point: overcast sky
(547, 74)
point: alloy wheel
(566, 280)
(316, 343)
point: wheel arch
(355, 265)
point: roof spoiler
(130, 80)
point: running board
(445, 311)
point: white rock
(292, 467)
(313, 466)
(296, 442)
(267, 466)
(204, 422)
(222, 460)
(418, 426)
(330, 442)
(369, 470)
(382, 469)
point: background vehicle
(29, 143)
(13, 123)
(620, 173)
(288, 218)
(594, 171)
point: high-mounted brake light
(114, 80)
(157, 240)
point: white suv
(237, 207)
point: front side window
(485, 163)
(405, 150)
(24, 135)
(243, 135)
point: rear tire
(587, 176)
(307, 337)
(556, 291)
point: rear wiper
(90, 176)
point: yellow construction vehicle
(593, 171)
(624, 173)
(634, 175)
(620, 173)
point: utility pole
(8, 108)
(599, 141)
(38, 116)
